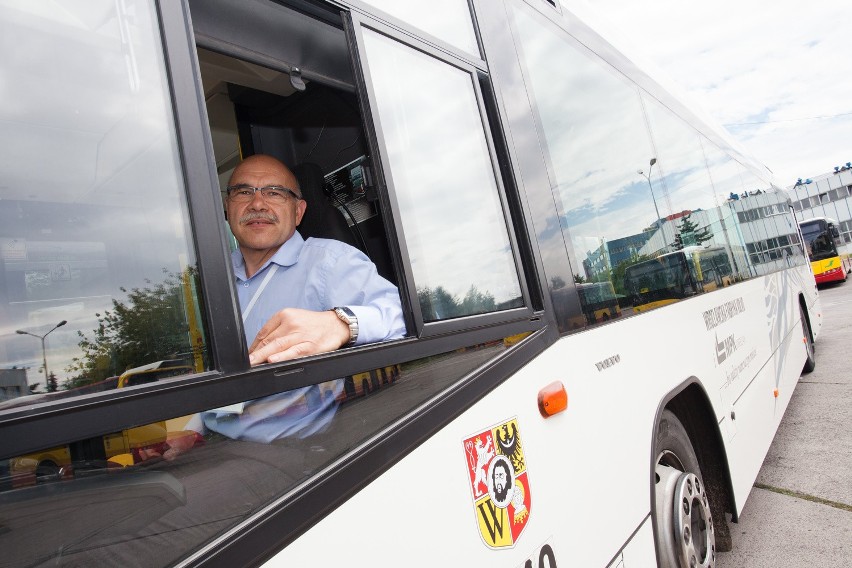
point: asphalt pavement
(799, 512)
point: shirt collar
(286, 255)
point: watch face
(348, 317)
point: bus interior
(301, 110)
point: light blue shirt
(317, 274)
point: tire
(47, 472)
(810, 351)
(684, 526)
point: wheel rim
(693, 525)
(47, 472)
(683, 516)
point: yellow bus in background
(118, 449)
(673, 276)
(599, 301)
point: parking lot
(799, 512)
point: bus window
(97, 271)
(677, 275)
(208, 486)
(444, 181)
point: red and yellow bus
(829, 261)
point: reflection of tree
(437, 303)
(52, 383)
(149, 325)
(689, 234)
(557, 283)
(579, 279)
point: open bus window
(443, 179)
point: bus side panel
(579, 465)
(588, 468)
(759, 411)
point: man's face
(500, 478)
(257, 224)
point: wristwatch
(348, 317)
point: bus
(117, 449)
(153, 372)
(824, 245)
(598, 300)
(471, 143)
(673, 276)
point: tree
(688, 234)
(437, 303)
(476, 302)
(149, 325)
(52, 383)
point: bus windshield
(818, 239)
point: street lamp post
(653, 198)
(650, 185)
(43, 349)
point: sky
(777, 75)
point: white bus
(484, 155)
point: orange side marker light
(775, 393)
(552, 399)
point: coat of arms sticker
(499, 483)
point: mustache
(252, 215)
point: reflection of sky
(595, 134)
(442, 173)
(91, 161)
(599, 133)
(776, 77)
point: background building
(827, 195)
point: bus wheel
(47, 471)
(685, 533)
(810, 361)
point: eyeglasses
(243, 193)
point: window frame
(365, 8)
(357, 22)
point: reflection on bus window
(446, 191)
(676, 275)
(97, 268)
(598, 301)
(118, 449)
(131, 499)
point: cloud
(783, 65)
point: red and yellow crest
(499, 483)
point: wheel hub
(686, 536)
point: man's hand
(292, 333)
